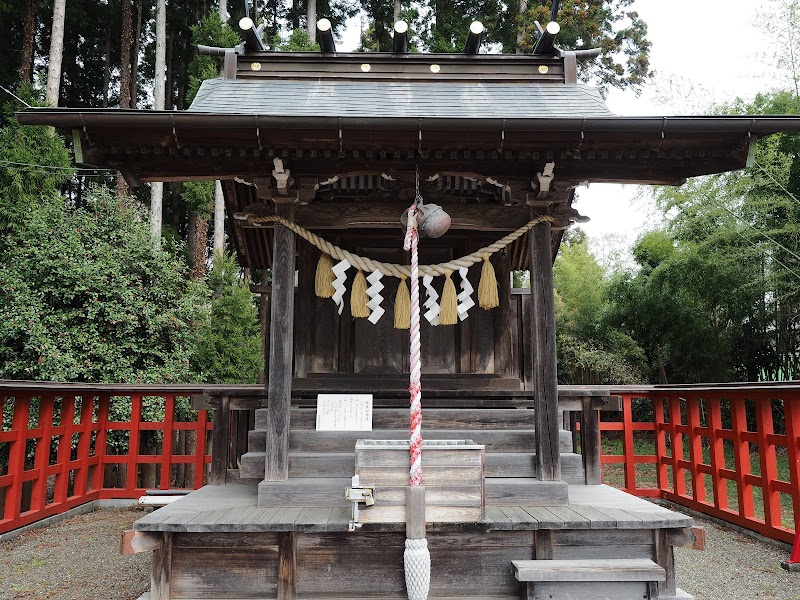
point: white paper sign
(344, 412)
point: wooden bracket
(693, 538)
(134, 542)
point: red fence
(729, 451)
(62, 445)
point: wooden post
(279, 379)
(287, 562)
(545, 382)
(590, 442)
(502, 317)
(161, 572)
(665, 557)
(219, 442)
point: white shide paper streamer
(465, 301)
(339, 288)
(431, 297)
(375, 298)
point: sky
(704, 51)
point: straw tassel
(448, 314)
(402, 306)
(358, 297)
(324, 281)
(487, 288)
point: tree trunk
(200, 243)
(135, 55)
(523, 7)
(157, 188)
(56, 52)
(295, 15)
(311, 12)
(107, 62)
(28, 41)
(125, 55)
(219, 199)
(219, 220)
(396, 13)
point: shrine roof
(399, 99)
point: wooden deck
(233, 508)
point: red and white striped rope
(415, 388)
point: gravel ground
(79, 559)
(734, 567)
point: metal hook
(341, 144)
(86, 131)
(420, 140)
(258, 134)
(503, 136)
(175, 132)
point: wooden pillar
(287, 564)
(279, 379)
(590, 442)
(161, 571)
(545, 381)
(502, 317)
(220, 442)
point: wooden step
(342, 464)
(589, 579)
(435, 418)
(329, 491)
(525, 491)
(597, 569)
(505, 440)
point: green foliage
(590, 351)
(211, 31)
(605, 24)
(199, 197)
(228, 346)
(298, 41)
(84, 296)
(24, 186)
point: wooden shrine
(335, 144)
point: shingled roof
(397, 99)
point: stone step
(503, 440)
(595, 579)
(342, 464)
(329, 492)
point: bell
(433, 220)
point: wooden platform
(233, 508)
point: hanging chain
(418, 197)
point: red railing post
(741, 455)
(64, 448)
(84, 443)
(200, 459)
(628, 448)
(675, 423)
(769, 461)
(134, 437)
(791, 411)
(717, 450)
(16, 455)
(662, 474)
(42, 456)
(695, 447)
(166, 446)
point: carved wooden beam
(386, 215)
